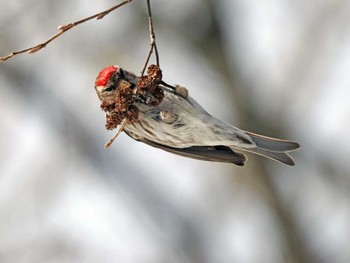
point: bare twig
(152, 38)
(63, 29)
(116, 135)
(153, 47)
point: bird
(180, 125)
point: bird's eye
(110, 88)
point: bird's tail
(272, 144)
(272, 148)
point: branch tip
(63, 28)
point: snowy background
(278, 68)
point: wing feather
(217, 153)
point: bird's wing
(205, 153)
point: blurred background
(278, 68)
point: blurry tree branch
(62, 29)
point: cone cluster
(123, 105)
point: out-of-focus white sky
(64, 198)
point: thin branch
(153, 47)
(152, 36)
(116, 135)
(63, 29)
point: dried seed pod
(143, 86)
(132, 114)
(107, 107)
(154, 74)
(158, 96)
(121, 106)
(113, 119)
(125, 94)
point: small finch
(168, 118)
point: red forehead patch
(105, 75)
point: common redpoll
(168, 118)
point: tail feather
(272, 144)
(282, 157)
(272, 148)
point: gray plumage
(180, 125)
(183, 127)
